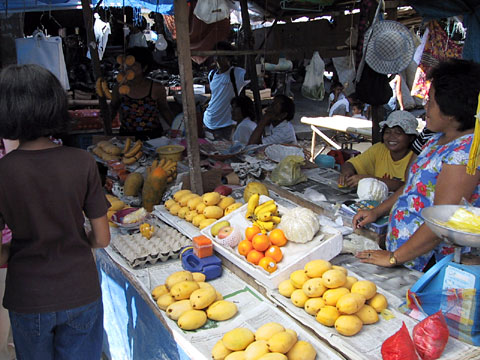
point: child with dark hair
(142, 109)
(52, 282)
(243, 112)
(336, 93)
(275, 126)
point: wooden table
(344, 124)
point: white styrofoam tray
(326, 245)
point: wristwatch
(393, 259)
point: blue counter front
(132, 330)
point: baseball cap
(407, 121)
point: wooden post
(251, 68)
(378, 112)
(188, 98)
(97, 72)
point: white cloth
(244, 130)
(102, 30)
(44, 51)
(359, 116)
(212, 11)
(283, 133)
(341, 107)
(219, 111)
(332, 96)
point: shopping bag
(313, 87)
(44, 51)
(211, 11)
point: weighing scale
(443, 286)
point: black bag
(373, 88)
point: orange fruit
(277, 237)
(268, 264)
(254, 256)
(274, 252)
(260, 242)
(251, 231)
(244, 247)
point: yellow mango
(175, 310)
(378, 302)
(219, 351)
(286, 288)
(159, 291)
(203, 285)
(238, 339)
(192, 319)
(313, 305)
(273, 356)
(366, 288)
(302, 350)
(331, 296)
(183, 201)
(266, 331)
(200, 207)
(232, 207)
(198, 277)
(299, 298)
(334, 278)
(213, 212)
(256, 349)
(226, 202)
(314, 287)
(341, 268)
(202, 298)
(221, 310)
(236, 355)
(180, 193)
(316, 268)
(281, 342)
(367, 314)
(348, 325)
(164, 301)
(174, 209)
(178, 276)
(204, 223)
(190, 215)
(350, 303)
(197, 219)
(182, 212)
(193, 202)
(327, 315)
(298, 278)
(169, 203)
(183, 289)
(350, 281)
(211, 198)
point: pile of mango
(201, 210)
(334, 298)
(187, 299)
(271, 341)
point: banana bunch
(265, 216)
(169, 166)
(101, 88)
(132, 153)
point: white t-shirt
(332, 96)
(341, 107)
(219, 111)
(244, 130)
(283, 133)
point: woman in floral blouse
(438, 175)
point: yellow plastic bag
(464, 220)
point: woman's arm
(99, 237)
(453, 184)
(256, 137)
(346, 171)
(160, 96)
(10, 145)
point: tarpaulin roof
(161, 6)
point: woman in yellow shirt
(388, 160)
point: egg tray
(165, 244)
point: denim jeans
(69, 334)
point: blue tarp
(10, 6)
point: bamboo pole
(188, 98)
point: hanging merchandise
(101, 30)
(44, 51)
(161, 44)
(345, 67)
(438, 47)
(313, 86)
(211, 11)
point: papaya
(154, 188)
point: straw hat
(390, 48)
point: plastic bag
(212, 11)
(313, 86)
(399, 346)
(430, 336)
(288, 171)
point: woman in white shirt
(243, 113)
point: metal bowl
(442, 213)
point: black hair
(33, 103)
(143, 56)
(246, 105)
(335, 85)
(224, 45)
(457, 84)
(288, 106)
(358, 104)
